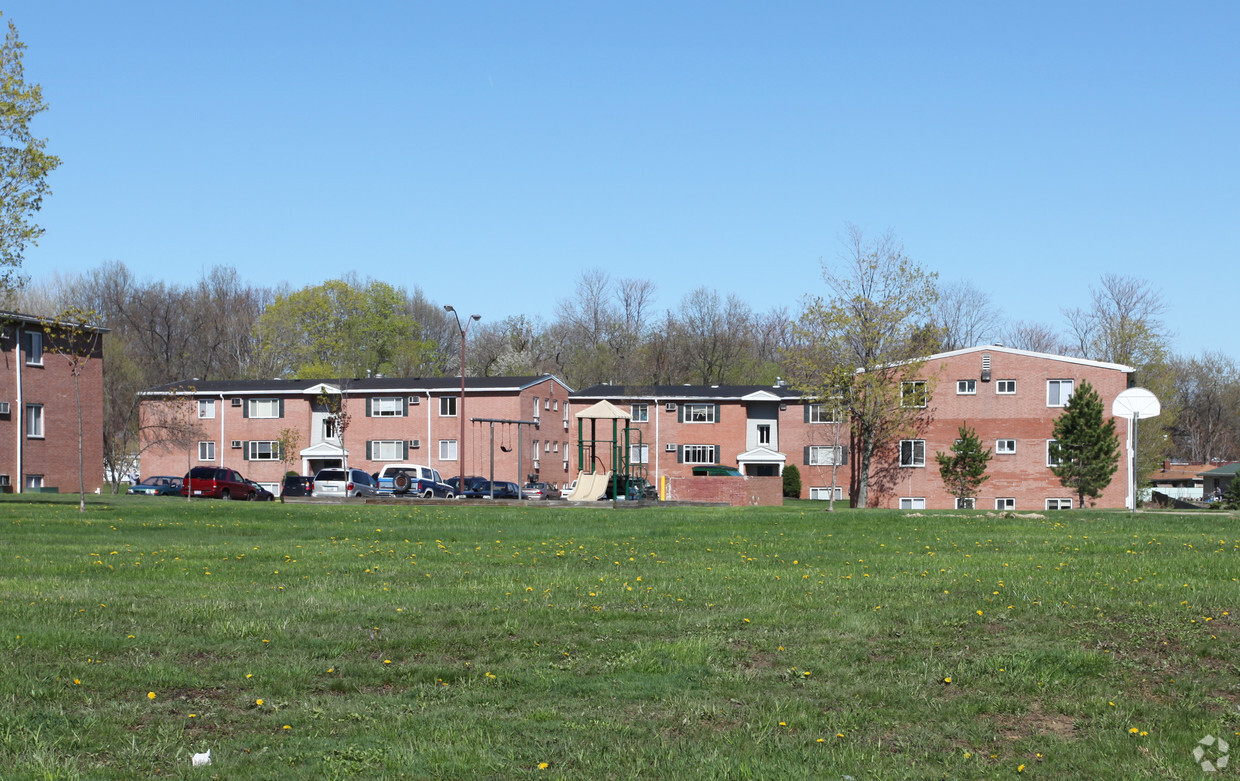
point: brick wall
(735, 491)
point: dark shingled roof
(365, 385)
(690, 392)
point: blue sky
(490, 152)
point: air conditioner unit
(414, 444)
(536, 467)
(236, 402)
(566, 425)
(670, 407)
(415, 400)
(670, 447)
(236, 444)
(4, 408)
(4, 480)
(783, 407)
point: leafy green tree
(792, 481)
(964, 470)
(1231, 499)
(342, 329)
(1085, 449)
(862, 345)
(24, 165)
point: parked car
(493, 490)
(471, 482)
(161, 485)
(716, 471)
(217, 483)
(540, 491)
(338, 482)
(297, 485)
(413, 479)
(261, 494)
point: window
(34, 421)
(387, 407)
(263, 451)
(1059, 504)
(547, 446)
(640, 412)
(821, 413)
(698, 454)
(639, 454)
(913, 503)
(555, 446)
(699, 413)
(1005, 447)
(824, 455)
(913, 393)
(965, 504)
(1050, 460)
(4, 480)
(764, 433)
(966, 387)
(34, 351)
(824, 493)
(536, 448)
(555, 405)
(34, 482)
(912, 452)
(447, 407)
(206, 408)
(1058, 392)
(546, 403)
(206, 451)
(1005, 503)
(329, 428)
(537, 409)
(264, 408)
(447, 450)
(1005, 387)
(387, 450)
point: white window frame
(34, 421)
(206, 451)
(448, 408)
(639, 454)
(447, 450)
(966, 387)
(1005, 447)
(34, 482)
(34, 350)
(1005, 503)
(913, 462)
(537, 409)
(912, 503)
(206, 409)
(1049, 462)
(823, 493)
(640, 413)
(387, 407)
(1060, 504)
(262, 450)
(764, 433)
(967, 503)
(823, 413)
(387, 449)
(1005, 387)
(825, 455)
(909, 389)
(705, 411)
(699, 452)
(1058, 385)
(269, 406)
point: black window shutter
(281, 414)
(716, 413)
(806, 409)
(404, 406)
(718, 454)
(245, 408)
(369, 449)
(368, 407)
(680, 413)
(843, 455)
(807, 455)
(680, 454)
(405, 451)
(245, 451)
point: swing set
(505, 445)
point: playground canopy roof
(603, 410)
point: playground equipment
(607, 464)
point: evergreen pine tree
(1231, 499)
(792, 481)
(1085, 450)
(964, 471)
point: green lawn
(467, 642)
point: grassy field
(467, 642)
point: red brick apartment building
(38, 407)
(1009, 397)
(239, 424)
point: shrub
(792, 481)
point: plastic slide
(590, 487)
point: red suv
(216, 482)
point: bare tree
(72, 336)
(965, 317)
(1034, 337)
(1207, 393)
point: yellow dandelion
(259, 701)
(150, 695)
(387, 661)
(543, 765)
(979, 612)
(249, 675)
(1133, 731)
(77, 682)
(1020, 768)
(948, 679)
(286, 727)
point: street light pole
(460, 407)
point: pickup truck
(413, 479)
